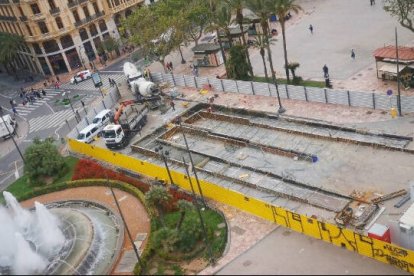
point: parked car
(87, 134)
(103, 118)
(81, 76)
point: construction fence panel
(189, 81)
(157, 77)
(202, 82)
(216, 83)
(230, 86)
(361, 99)
(169, 78)
(383, 102)
(337, 96)
(261, 88)
(407, 104)
(245, 87)
(296, 92)
(179, 80)
(388, 253)
(316, 94)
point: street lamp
(71, 106)
(11, 135)
(210, 253)
(178, 121)
(164, 154)
(181, 53)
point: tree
(261, 8)
(281, 9)
(110, 44)
(292, 66)
(157, 33)
(184, 206)
(403, 10)
(9, 48)
(260, 42)
(156, 198)
(43, 160)
(237, 66)
(237, 7)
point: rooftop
(404, 53)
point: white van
(11, 125)
(103, 118)
(87, 134)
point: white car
(87, 135)
(81, 76)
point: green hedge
(147, 253)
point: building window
(52, 4)
(29, 30)
(37, 49)
(93, 30)
(86, 11)
(66, 41)
(21, 11)
(95, 7)
(76, 16)
(109, 3)
(42, 26)
(83, 34)
(50, 46)
(102, 26)
(35, 8)
(59, 22)
(117, 2)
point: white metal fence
(309, 94)
(107, 102)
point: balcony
(16, 1)
(23, 18)
(125, 5)
(89, 19)
(7, 18)
(54, 11)
(2, 2)
(74, 3)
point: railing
(8, 18)
(308, 94)
(125, 5)
(75, 3)
(16, 1)
(89, 19)
(4, 2)
(54, 10)
(23, 18)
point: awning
(391, 68)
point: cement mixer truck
(145, 91)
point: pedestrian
(172, 104)
(110, 82)
(311, 28)
(76, 81)
(14, 110)
(45, 84)
(167, 65)
(83, 104)
(11, 102)
(43, 92)
(171, 66)
(325, 70)
(352, 54)
(196, 71)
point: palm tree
(281, 9)
(237, 6)
(260, 43)
(156, 198)
(220, 21)
(9, 48)
(261, 8)
(184, 206)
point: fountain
(68, 237)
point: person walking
(325, 71)
(353, 54)
(43, 92)
(311, 28)
(171, 66)
(11, 102)
(172, 104)
(14, 110)
(110, 82)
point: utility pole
(398, 76)
(163, 154)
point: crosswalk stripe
(49, 121)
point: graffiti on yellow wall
(342, 237)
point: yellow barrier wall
(388, 253)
